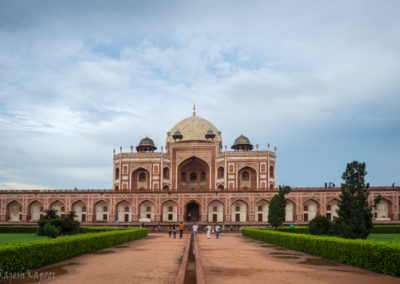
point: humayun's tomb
(193, 180)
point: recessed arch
(261, 208)
(59, 206)
(140, 179)
(101, 211)
(290, 211)
(310, 209)
(124, 209)
(80, 209)
(35, 210)
(383, 210)
(220, 172)
(216, 211)
(193, 174)
(166, 173)
(14, 211)
(247, 178)
(332, 205)
(169, 211)
(146, 211)
(239, 211)
(192, 210)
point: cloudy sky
(319, 80)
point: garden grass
(384, 237)
(19, 237)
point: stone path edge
(199, 268)
(180, 278)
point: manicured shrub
(376, 256)
(320, 225)
(24, 256)
(297, 230)
(65, 225)
(50, 231)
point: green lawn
(21, 237)
(384, 237)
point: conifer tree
(277, 207)
(355, 213)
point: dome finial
(194, 109)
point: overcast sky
(318, 79)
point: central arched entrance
(192, 212)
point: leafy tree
(320, 225)
(65, 225)
(50, 230)
(277, 207)
(354, 219)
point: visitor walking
(195, 227)
(231, 227)
(169, 231)
(217, 229)
(213, 229)
(159, 227)
(208, 231)
(223, 227)
(181, 227)
(174, 231)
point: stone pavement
(154, 259)
(235, 259)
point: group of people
(172, 230)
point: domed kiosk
(146, 145)
(242, 143)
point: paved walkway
(235, 259)
(154, 259)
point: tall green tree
(354, 219)
(277, 207)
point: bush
(18, 257)
(65, 225)
(50, 231)
(376, 256)
(320, 225)
(297, 230)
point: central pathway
(235, 259)
(154, 259)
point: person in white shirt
(217, 230)
(208, 231)
(195, 227)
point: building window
(84, 208)
(148, 209)
(169, 217)
(215, 209)
(328, 207)
(105, 209)
(166, 173)
(305, 208)
(260, 208)
(271, 172)
(237, 208)
(193, 177)
(170, 209)
(148, 216)
(220, 172)
(63, 209)
(202, 176)
(142, 177)
(126, 209)
(245, 176)
(117, 173)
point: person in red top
(181, 227)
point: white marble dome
(194, 128)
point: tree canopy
(277, 207)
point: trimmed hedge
(385, 229)
(18, 229)
(376, 229)
(375, 256)
(18, 257)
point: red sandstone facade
(193, 180)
